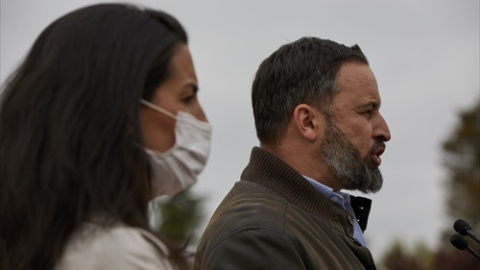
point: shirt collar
(360, 206)
(339, 198)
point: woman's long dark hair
(70, 138)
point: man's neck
(310, 167)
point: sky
(425, 56)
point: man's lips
(376, 155)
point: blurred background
(425, 55)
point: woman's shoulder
(113, 247)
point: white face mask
(178, 168)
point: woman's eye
(190, 96)
(189, 99)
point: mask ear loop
(158, 109)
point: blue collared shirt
(342, 199)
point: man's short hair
(303, 71)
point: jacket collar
(267, 170)
(361, 206)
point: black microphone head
(458, 241)
(461, 226)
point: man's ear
(308, 121)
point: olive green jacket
(274, 219)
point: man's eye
(368, 114)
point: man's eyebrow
(370, 105)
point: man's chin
(367, 188)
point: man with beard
(316, 108)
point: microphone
(462, 227)
(459, 242)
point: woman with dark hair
(100, 117)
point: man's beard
(346, 163)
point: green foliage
(400, 257)
(176, 218)
(462, 162)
